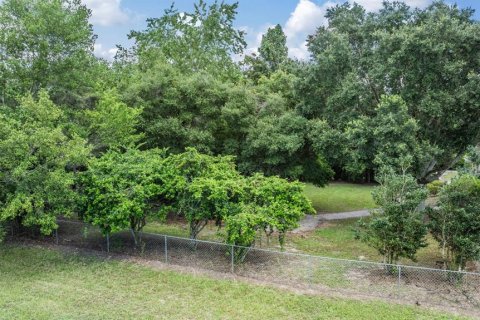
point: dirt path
(311, 222)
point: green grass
(180, 229)
(44, 284)
(337, 239)
(334, 239)
(340, 197)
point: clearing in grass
(340, 197)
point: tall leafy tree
(384, 140)
(272, 54)
(197, 110)
(428, 57)
(202, 40)
(36, 159)
(277, 145)
(113, 124)
(46, 45)
(273, 48)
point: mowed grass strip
(340, 197)
(41, 283)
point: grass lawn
(336, 239)
(44, 284)
(340, 197)
(180, 229)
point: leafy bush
(120, 190)
(396, 230)
(455, 223)
(434, 187)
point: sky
(113, 19)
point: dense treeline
(398, 87)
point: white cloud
(104, 53)
(375, 5)
(106, 12)
(308, 16)
(304, 20)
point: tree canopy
(46, 45)
(427, 57)
(37, 157)
(183, 121)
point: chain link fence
(405, 284)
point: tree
(197, 110)
(471, 161)
(383, 140)
(270, 204)
(112, 123)
(207, 188)
(202, 40)
(277, 145)
(283, 203)
(455, 224)
(396, 229)
(427, 57)
(273, 48)
(36, 153)
(272, 54)
(46, 44)
(120, 190)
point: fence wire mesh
(358, 278)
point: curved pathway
(311, 222)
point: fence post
(312, 270)
(56, 236)
(399, 280)
(166, 248)
(232, 260)
(108, 242)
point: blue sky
(113, 19)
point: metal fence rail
(408, 284)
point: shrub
(434, 187)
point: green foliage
(273, 48)
(46, 44)
(272, 54)
(120, 190)
(277, 145)
(456, 222)
(37, 158)
(396, 229)
(207, 188)
(383, 140)
(471, 161)
(401, 52)
(277, 141)
(271, 204)
(434, 187)
(202, 40)
(112, 123)
(198, 111)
